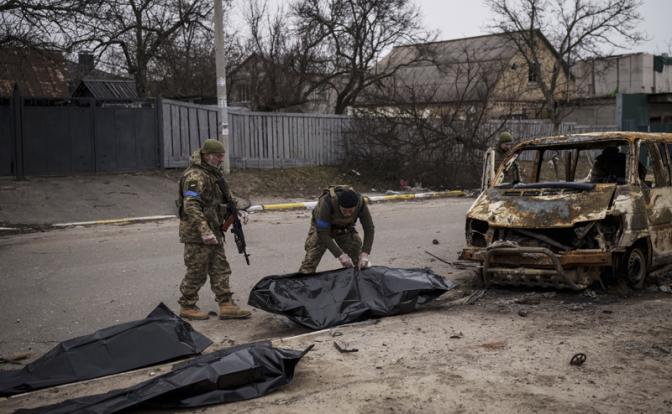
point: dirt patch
(40, 201)
(298, 182)
(455, 357)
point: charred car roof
(592, 137)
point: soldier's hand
(209, 239)
(345, 260)
(244, 216)
(363, 260)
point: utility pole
(220, 61)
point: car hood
(542, 208)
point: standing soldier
(503, 148)
(494, 157)
(332, 227)
(203, 198)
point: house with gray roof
(466, 71)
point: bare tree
(576, 29)
(39, 23)
(282, 70)
(185, 66)
(139, 29)
(428, 123)
(347, 37)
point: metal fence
(60, 136)
(271, 140)
(71, 135)
(256, 139)
(185, 126)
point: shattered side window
(522, 170)
(650, 168)
(584, 165)
(590, 162)
(609, 163)
(556, 165)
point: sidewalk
(42, 202)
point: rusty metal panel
(545, 211)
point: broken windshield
(560, 165)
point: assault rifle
(233, 221)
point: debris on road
(438, 258)
(228, 375)
(474, 297)
(493, 346)
(344, 348)
(160, 337)
(662, 348)
(16, 358)
(530, 299)
(589, 293)
(336, 297)
(434, 241)
(578, 359)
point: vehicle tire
(635, 267)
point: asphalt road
(65, 283)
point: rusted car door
(488, 169)
(654, 176)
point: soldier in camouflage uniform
(333, 227)
(503, 148)
(202, 213)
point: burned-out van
(567, 211)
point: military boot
(229, 310)
(193, 313)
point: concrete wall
(597, 112)
(627, 74)
(662, 81)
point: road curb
(115, 221)
(306, 205)
(371, 199)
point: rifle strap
(224, 188)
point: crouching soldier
(203, 198)
(333, 227)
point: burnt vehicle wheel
(635, 267)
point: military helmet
(212, 146)
(505, 137)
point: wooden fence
(278, 140)
(272, 140)
(185, 127)
(257, 139)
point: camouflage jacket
(203, 204)
(328, 219)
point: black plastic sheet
(160, 337)
(233, 374)
(336, 297)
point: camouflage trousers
(349, 241)
(203, 260)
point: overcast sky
(463, 18)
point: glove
(345, 260)
(244, 216)
(209, 239)
(363, 261)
